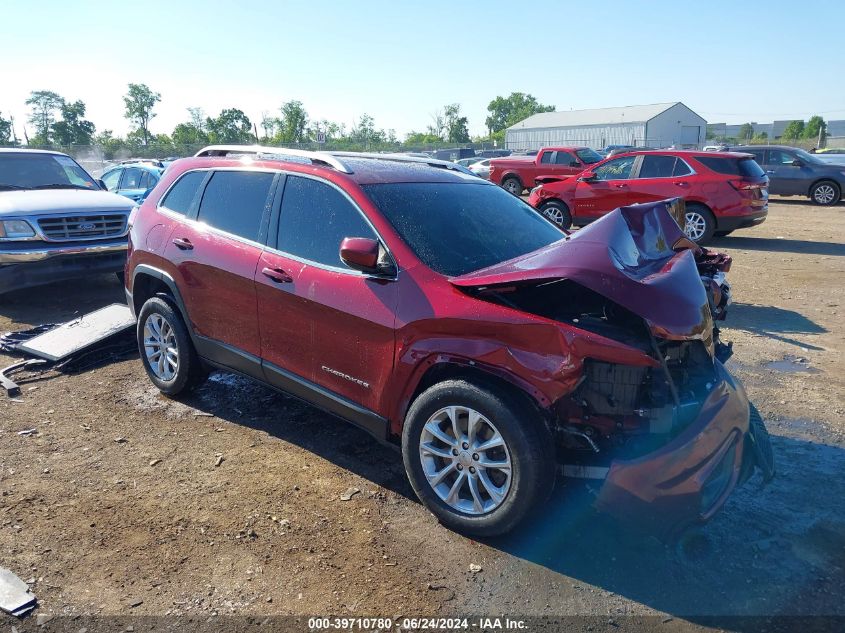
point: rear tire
(455, 477)
(825, 193)
(700, 223)
(557, 213)
(512, 185)
(166, 349)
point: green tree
(816, 129)
(746, 131)
(43, 105)
(110, 144)
(291, 127)
(188, 134)
(139, 102)
(231, 126)
(5, 130)
(73, 129)
(793, 131)
(414, 139)
(507, 111)
(459, 130)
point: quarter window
(181, 195)
(681, 168)
(617, 169)
(235, 201)
(315, 218)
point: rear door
(659, 177)
(609, 190)
(215, 253)
(330, 325)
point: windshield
(456, 228)
(42, 171)
(588, 156)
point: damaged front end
(669, 436)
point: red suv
(723, 191)
(445, 316)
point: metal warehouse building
(656, 125)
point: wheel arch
(433, 371)
(514, 175)
(818, 181)
(148, 281)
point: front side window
(315, 218)
(181, 195)
(588, 156)
(235, 202)
(617, 169)
(779, 157)
(456, 228)
(131, 178)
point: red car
(723, 191)
(447, 318)
(516, 173)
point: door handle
(770, 171)
(277, 275)
(183, 243)
(621, 185)
(681, 183)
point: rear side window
(235, 201)
(181, 195)
(657, 166)
(731, 166)
(546, 157)
(564, 158)
(314, 220)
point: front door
(333, 326)
(785, 176)
(607, 191)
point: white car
(56, 220)
(481, 169)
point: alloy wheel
(160, 347)
(554, 214)
(695, 226)
(824, 194)
(465, 460)
(512, 186)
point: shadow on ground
(773, 322)
(770, 244)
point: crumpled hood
(626, 256)
(60, 201)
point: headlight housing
(16, 230)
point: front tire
(512, 185)
(825, 193)
(166, 349)
(478, 459)
(700, 223)
(557, 213)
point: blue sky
(400, 61)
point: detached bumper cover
(690, 478)
(33, 266)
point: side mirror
(587, 176)
(102, 184)
(360, 253)
(797, 163)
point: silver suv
(56, 221)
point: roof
(598, 116)
(144, 166)
(24, 150)
(359, 167)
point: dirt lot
(120, 503)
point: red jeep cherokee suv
(723, 191)
(444, 315)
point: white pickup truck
(56, 221)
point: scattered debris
(11, 387)
(668, 618)
(135, 603)
(121, 440)
(43, 618)
(350, 492)
(74, 336)
(473, 568)
(153, 462)
(203, 414)
(28, 432)
(219, 460)
(15, 597)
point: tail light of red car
(744, 185)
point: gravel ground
(229, 502)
